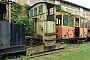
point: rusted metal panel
(22, 36)
(65, 32)
(14, 34)
(16, 49)
(17, 35)
(59, 32)
(40, 28)
(8, 30)
(71, 32)
(60, 45)
(37, 49)
(46, 27)
(4, 34)
(89, 34)
(13, 50)
(50, 27)
(50, 33)
(62, 32)
(47, 30)
(50, 37)
(12, 38)
(88, 25)
(81, 32)
(85, 32)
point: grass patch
(76, 53)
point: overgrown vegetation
(16, 10)
(58, 7)
(23, 21)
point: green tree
(58, 7)
(23, 21)
(15, 11)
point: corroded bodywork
(46, 29)
(83, 28)
(44, 25)
(43, 15)
(12, 40)
(69, 26)
(64, 31)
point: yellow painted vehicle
(44, 23)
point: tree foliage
(23, 21)
(58, 7)
(16, 10)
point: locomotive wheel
(43, 48)
(1, 57)
(80, 41)
(31, 42)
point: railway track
(69, 46)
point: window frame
(82, 22)
(77, 22)
(35, 11)
(31, 12)
(40, 11)
(64, 20)
(71, 19)
(85, 23)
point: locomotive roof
(74, 4)
(40, 3)
(5, 2)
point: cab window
(35, 11)
(31, 12)
(50, 12)
(40, 9)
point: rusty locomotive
(12, 40)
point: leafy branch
(23, 21)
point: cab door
(50, 27)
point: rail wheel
(1, 58)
